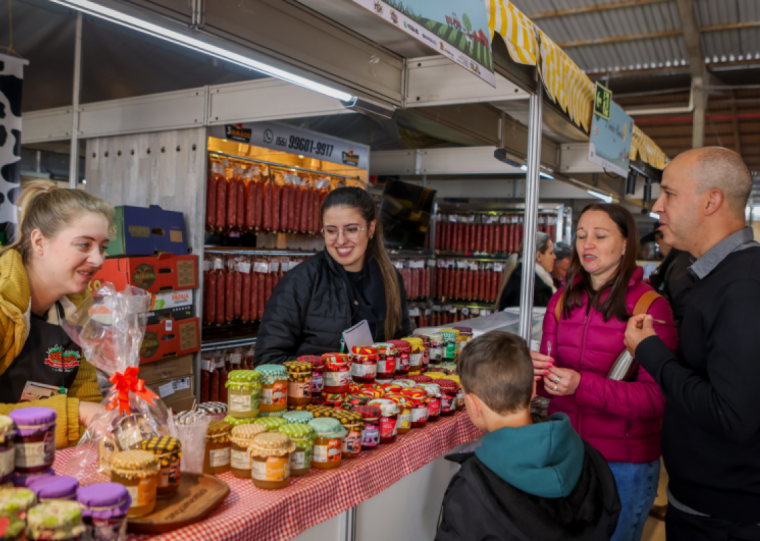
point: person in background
(352, 280)
(526, 481)
(44, 276)
(543, 287)
(562, 253)
(673, 279)
(711, 428)
(583, 337)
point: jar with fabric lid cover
(386, 361)
(420, 410)
(449, 344)
(7, 449)
(217, 459)
(364, 364)
(34, 439)
(299, 382)
(370, 425)
(54, 487)
(415, 356)
(270, 459)
(404, 423)
(403, 352)
(434, 406)
(298, 417)
(274, 387)
(243, 393)
(104, 511)
(55, 520)
(449, 390)
(435, 348)
(241, 438)
(16, 501)
(303, 437)
(168, 451)
(352, 442)
(328, 443)
(138, 471)
(337, 373)
(388, 419)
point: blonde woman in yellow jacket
(44, 274)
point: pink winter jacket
(620, 418)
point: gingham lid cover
(271, 373)
(297, 367)
(368, 412)
(296, 431)
(315, 360)
(271, 423)
(234, 421)
(244, 376)
(298, 417)
(328, 427)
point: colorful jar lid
(416, 393)
(135, 463)
(391, 387)
(322, 411)
(436, 339)
(53, 487)
(347, 417)
(336, 358)
(264, 414)
(218, 427)
(16, 500)
(368, 412)
(463, 329)
(271, 444)
(160, 445)
(190, 417)
(215, 408)
(434, 375)
(298, 367)
(420, 379)
(334, 399)
(432, 389)
(242, 435)
(401, 345)
(271, 373)
(452, 377)
(64, 518)
(300, 407)
(364, 351)
(354, 388)
(297, 431)
(414, 340)
(355, 400)
(447, 385)
(328, 427)
(405, 383)
(31, 420)
(450, 336)
(13, 529)
(298, 417)
(385, 348)
(22, 480)
(104, 500)
(243, 380)
(7, 427)
(270, 423)
(402, 401)
(387, 407)
(237, 422)
(315, 360)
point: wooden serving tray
(198, 495)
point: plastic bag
(109, 327)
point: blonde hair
(44, 206)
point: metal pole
(74, 152)
(531, 213)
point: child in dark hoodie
(527, 481)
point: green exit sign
(603, 101)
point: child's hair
(497, 368)
(44, 206)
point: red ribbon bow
(126, 383)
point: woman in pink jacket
(620, 418)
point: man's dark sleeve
(456, 523)
(727, 402)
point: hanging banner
(11, 84)
(611, 134)
(457, 29)
(293, 140)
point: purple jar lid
(104, 500)
(463, 329)
(24, 479)
(54, 487)
(31, 420)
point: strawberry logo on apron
(62, 360)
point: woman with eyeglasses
(352, 280)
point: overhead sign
(457, 29)
(293, 140)
(602, 101)
(611, 135)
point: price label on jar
(299, 389)
(240, 403)
(405, 420)
(387, 427)
(41, 453)
(240, 460)
(370, 435)
(278, 394)
(317, 383)
(352, 443)
(274, 468)
(420, 414)
(219, 457)
(387, 365)
(415, 359)
(297, 460)
(337, 379)
(327, 453)
(434, 407)
(359, 370)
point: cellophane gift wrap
(109, 327)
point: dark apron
(49, 356)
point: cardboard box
(176, 305)
(156, 274)
(169, 338)
(140, 231)
(171, 368)
(175, 390)
(182, 404)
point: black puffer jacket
(308, 312)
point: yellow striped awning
(516, 29)
(648, 150)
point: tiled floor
(655, 529)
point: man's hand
(541, 364)
(561, 381)
(639, 328)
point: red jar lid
(373, 393)
(390, 388)
(400, 399)
(334, 399)
(447, 385)
(417, 394)
(368, 412)
(420, 379)
(354, 388)
(354, 400)
(364, 351)
(339, 358)
(401, 345)
(315, 360)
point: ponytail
(542, 243)
(44, 206)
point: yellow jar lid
(218, 427)
(136, 462)
(271, 444)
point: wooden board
(198, 495)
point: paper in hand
(358, 336)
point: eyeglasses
(351, 233)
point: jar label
(317, 382)
(460, 346)
(359, 370)
(403, 362)
(107, 529)
(386, 366)
(460, 398)
(300, 459)
(240, 460)
(370, 435)
(337, 379)
(240, 402)
(415, 359)
(420, 414)
(219, 457)
(41, 453)
(434, 353)
(405, 419)
(434, 407)
(387, 427)
(299, 389)
(446, 403)
(170, 475)
(144, 493)
(352, 443)
(278, 394)
(425, 358)
(274, 469)
(451, 349)
(327, 453)
(7, 460)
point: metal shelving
(224, 344)
(257, 251)
(292, 168)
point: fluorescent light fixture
(603, 197)
(524, 167)
(178, 38)
(654, 215)
(546, 175)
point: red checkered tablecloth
(277, 515)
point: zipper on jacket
(580, 365)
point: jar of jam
(54, 487)
(299, 382)
(415, 356)
(104, 511)
(302, 436)
(388, 419)
(270, 460)
(34, 442)
(243, 393)
(337, 373)
(386, 361)
(370, 425)
(138, 471)
(434, 406)
(217, 411)
(449, 390)
(298, 417)
(168, 452)
(425, 351)
(420, 410)
(317, 373)
(460, 399)
(328, 443)
(334, 400)
(241, 438)
(363, 364)
(462, 340)
(16, 501)
(355, 400)
(403, 351)
(217, 459)
(271, 424)
(7, 450)
(24, 480)
(391, 388)
(449, 344)
(435, 348)
(352, 442)
(55, 520)
(404, 383)
(274, 388)
(404, 423)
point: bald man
(711, 427)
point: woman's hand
(87, 413)
(561, 381)
(541, 364)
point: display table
(252, 513)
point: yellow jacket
(15, 311)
